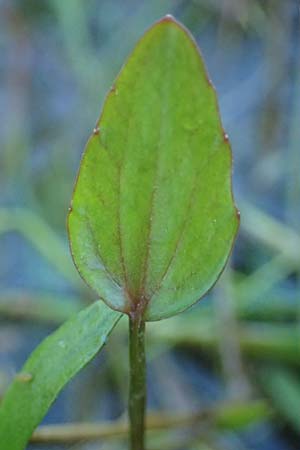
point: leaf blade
(52, 364)
(153, 198)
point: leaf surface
(153, 219)
(54, 362)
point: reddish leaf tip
(168, 18)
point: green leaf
(153, 220)
(54, 362)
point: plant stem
(137, 388)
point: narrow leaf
(153, 220)
(54, 362)
(283, 387)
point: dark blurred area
(241, 343)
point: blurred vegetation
(242, 342)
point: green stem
(137, 389)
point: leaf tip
(169, 18)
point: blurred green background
(242, 342)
